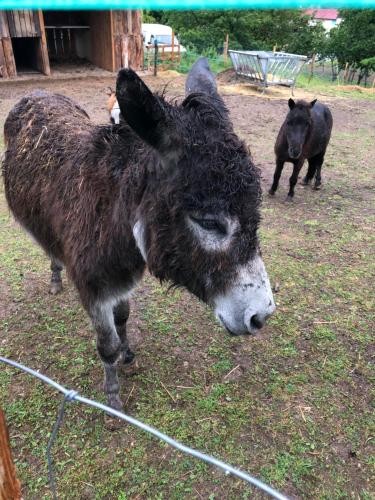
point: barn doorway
(68, 36)
(25, 51)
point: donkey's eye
(211, 225)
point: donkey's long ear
(144, 113)
(291, 103)
(312, 103)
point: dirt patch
(358, 88)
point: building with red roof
(328, 17)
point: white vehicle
(162, 34)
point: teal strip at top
(184, 5)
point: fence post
(156, 58)
(346, 72)
(312, 68)
(10, 488)
(172, 56)
(226, 45)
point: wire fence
(182, 62)
(71, 395)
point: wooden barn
(33, 40)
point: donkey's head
(197, 222)
(298, 126)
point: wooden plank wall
(4, 33)
(101, 39)
(7, 62)
(22, 23)
(127, 38)
(4, 30)
(42, 55)
(25, 24)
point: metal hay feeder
(267, 68)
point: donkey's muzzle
(246, 305)
(294, 153)
(258, 321)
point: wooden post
(172, 47)
(46, 69)
(125, 51)
(312, 67)
(10, 488)
(3, 64)
(9, 57)
(346, 72)
(225, 51)
(156, 58)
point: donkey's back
(61, 177)
(40, 109)
(45, 135)
(322, 120)
(201, 79)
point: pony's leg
(109, 348)
(56, 282)
(276, 176)
(310, 173)
(319, 163)
(297, 165)
(121, 314)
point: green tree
(308, 40)
(247, 29)
(353, 41)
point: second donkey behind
(305, 134)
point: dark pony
(304, 134)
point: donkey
(305, 133)
(171, 187)
(200, 78)
(113, 107)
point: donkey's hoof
(129, 369)
(128, 357)
(317, 187)
(113, 423)
(305, 182)
(56, 288)
(289, 199)
(110, 422)
(271, 192)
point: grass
(293, 407)
(217, 62)
(323, 85)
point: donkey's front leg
(109, 348)
(56, 282)
(121, 314)
(276, 176)
(297, 165)
(310, 173)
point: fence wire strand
(51, 474)
(71, 395)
